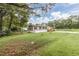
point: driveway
(37, 31)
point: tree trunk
(10, 23)
(1, 24)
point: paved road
(67, 32)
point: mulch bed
(19, 48)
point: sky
(60, 10)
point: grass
(44, 44)
(66, 45)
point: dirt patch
(20, 48)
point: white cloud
(31, 20)
(45, 20)
(59, 15)
(54, 15)
(38, 11)
(42, 20)
(39, 20)
(72, 3)
(74, 12)
(65, 16)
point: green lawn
(44, 44)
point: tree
(69, 23)
(2, 13)
(15, 15)
(11, 10)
